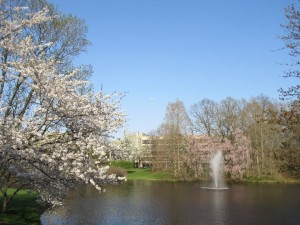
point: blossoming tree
(54, 128)
(201, 149)
(237, 155)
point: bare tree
(171, 138)
(291, 39)
(227, 116)
(289, 153)
(177, 119)
(263, 133)
(204, 116)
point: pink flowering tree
(54, 128)
(237, 155)
(197, 155)
(201, 149)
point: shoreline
(147, 174)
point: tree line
(259, 137)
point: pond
(178, 203)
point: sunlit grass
(147, 174)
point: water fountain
(217, 164)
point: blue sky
(158, 51)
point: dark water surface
(179, 203)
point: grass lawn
(22, 209)
(146, 174)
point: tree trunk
(257, 163)
(6, 199)
(263, 160)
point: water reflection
(164, 203)
(219, 207)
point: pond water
(178, 203)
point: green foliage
(122, 164)
(23, 209)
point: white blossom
(61, 137)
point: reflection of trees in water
(150, 202)
(220, 207)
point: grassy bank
(272, 179)
(147, 174)
(126, 168)
(22, 210)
